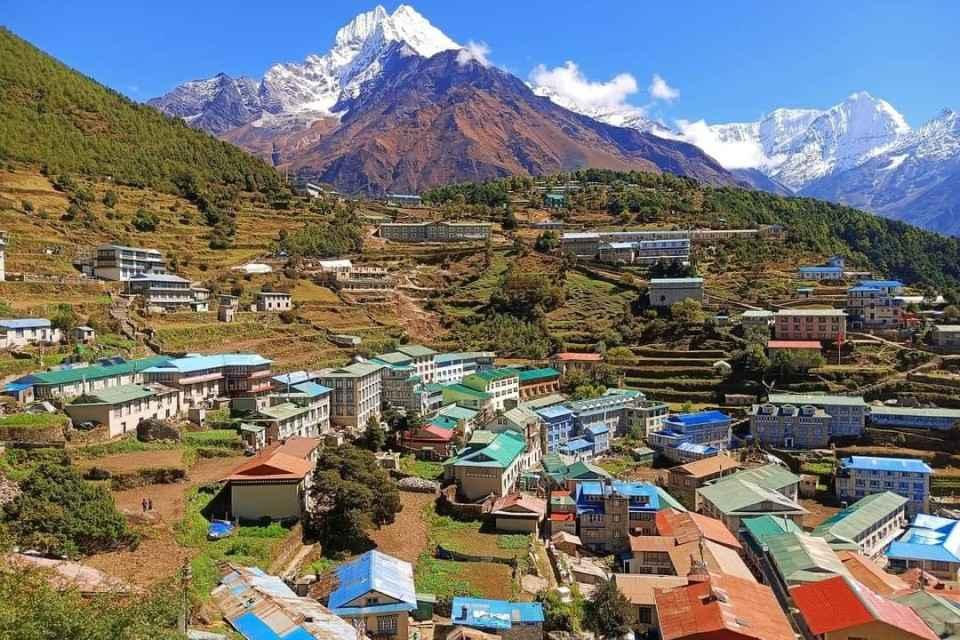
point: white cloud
(732, 154)
(475, 51)
(570, 85)
(660, 90)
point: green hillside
(629, 199)
(52, 115)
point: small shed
(643, 456)
(83, 335)
(566, 542)
(519, 513)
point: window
(387, 625)
(644, 615)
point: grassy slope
(51, 114)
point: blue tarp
(219, 529)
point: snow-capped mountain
(917, 179)
(309, 90)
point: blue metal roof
(870, 463)
(374, 571)
(928, 538)
(700, 449)
(821, 269)
(880, 283)
(556, 411)
(293, 377)
(598, 429)
(25, 323)
(199, 363)
(578, 444)
(699, 418)
(312, 389)
(494, 614)
(17, 387)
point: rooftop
(373, 571)
(500, 452)
(932, 412)
(25, 323)
(928, 538)
(416, 350)
(95, 372)
(708, 466)
(868, 573)
(533, 375)
(841, 603)
(810, 312)
(794, 344)
(639, 589)
(674, 281)
(121, 394)
(570, 356)
(354, 370)
(767, 526)
(870, 463)
(698, 418)
(689, 526)
(494, 614)
(800, 558)
(848, 524)
(816, 399)
(191, 364)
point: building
(536, 383)
(526, 422)
(442, 231)
(754, 319)
(609, 410)
(574, 360)
(609, 512)
(665, 292)
(404, 200)
(840, 608)
(464, 396)
(116, 262)
(867, 526)
(719, 607)
(640, 590)
(799, 347)
(868, 573)
(75, 381)
(790, 426)
(166, 292)
(262, 607)
(490, 464)
(356, 396)
(684, 480)
(646, 416)
(860, 476)
(274, 484)
(755, 531)
(874, 304)
(914, 417)
(508, 620)
(120, 409)
(939, 612)
(770, 489)
(201, 379)
(810, 324)
(709, 429)
(847, 413)
(227, 307)
(436, 439)
(301, 412)
(832, 269)
(375, 592)
(520, 513)
(558, 426)
(83, 335)
(798, 558)
(931, 544)
(421, 358)
(345, 340)
(25, 331)
(452, 368)
(587, 244)
(644, 252)
(501, 385)
(946, 336)
(274, 301)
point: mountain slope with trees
(55, 116)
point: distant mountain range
(396, 105)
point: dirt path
(406, 538)
(158, 556)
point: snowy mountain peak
(312, 89)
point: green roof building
(67, 383)
(770, 489)
(488, 465)
(867, 526)
(800, 558)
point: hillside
(52, 115)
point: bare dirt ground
(406, 538)
(129, 462)
(158, 556)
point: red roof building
(841, 607)
(689, 526)
(719, 607)
(794, 345)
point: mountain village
(573, 380)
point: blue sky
(727, 64)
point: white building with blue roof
(558, 426)
(876, 304)
(832, 269)
(201, 378)
(860, 476)
(930, 543)
(20, 332)
(376, 593)
(686, 437)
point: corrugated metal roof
(928, 538)
(215, 361)
(800, 558)
(374, 571)
(25, 323)
(95, 372)
(849, 523)
(494, 614)
(871, 463)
